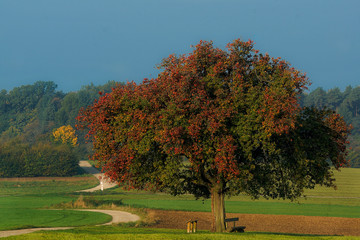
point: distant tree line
(347, 104)
(28, 117)
(29, 114)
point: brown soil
(262, 223)
(28, 179)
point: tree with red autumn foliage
(214, 123)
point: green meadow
(125, 233)
(35, 186)
(35, 203)
(23, 204)
(321, 201)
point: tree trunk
(218, 209)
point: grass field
(24, 203)
(348, 181)
(33, 186)
(322, 201)
(123, 233)
(21, 203)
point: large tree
(214, 123)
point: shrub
(40, 159)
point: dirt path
(104, 183)
(117, 217)
(25, 231)
(263, 223)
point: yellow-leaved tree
(66, 135)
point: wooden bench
(234, 228)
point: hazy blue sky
(78, 42)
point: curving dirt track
(263, 223)
(117, 217)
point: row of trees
(37, 136)
(42, 105)
(30, 113)
(347, 104)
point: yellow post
(189, 226)
(195, 226)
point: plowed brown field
(263, 223)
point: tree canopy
(214, 123)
